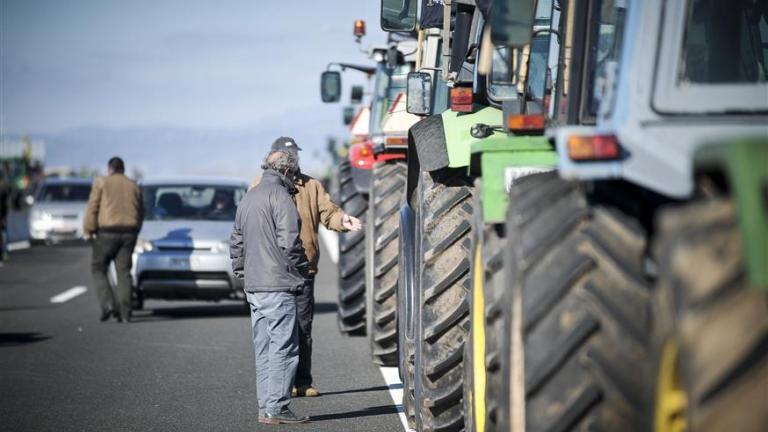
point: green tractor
(637, 272)
(482, 128)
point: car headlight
(143, 246)
(222, 247)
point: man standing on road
(266, 252)
(5, 198)
(315, 207)
(113, 220)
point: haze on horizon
(179, 86)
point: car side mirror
(512, 22)
(419, 93)
(349, 114)
(356, 95)
(330, 86)
(398, 15)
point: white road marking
(69, 294)
(19, 245)
(392, 378)
(331, 241)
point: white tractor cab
(663, 200)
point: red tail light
(361, 155)
(524, 122)
(461, 99)
(596, 147)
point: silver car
(58, 210)
(183, 246)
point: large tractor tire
(387, 189)
(482, 371)
(445, 214)
(579, 319)
(351, 306)
(711, 328)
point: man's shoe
(105, 314)
(285, 417)
(307, 391)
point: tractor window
(440, 89)
(379, 98)
(607, 28)
(725, 42)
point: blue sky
(244, 69)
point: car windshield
(725, 42)
(191, 202)
(64, 192)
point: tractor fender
(428, 138)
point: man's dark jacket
(265, 247)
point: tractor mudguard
(746, 164)
(501, 159)
(428, 137)
(444, 140)
(457, 127)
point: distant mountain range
(163, 151)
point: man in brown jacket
(112, 220)
(315, 207)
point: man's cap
(286, 144)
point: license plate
(179, 263)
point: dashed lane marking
(331, 241)
(68, 294)
(392, 378)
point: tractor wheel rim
(671, 399)
(477, 398)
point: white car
(183, 246)
(58, 210)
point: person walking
(112, 221)
(5, 198)
(267, 254)
(315, 207)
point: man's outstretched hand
(350, 223)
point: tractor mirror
(419, 93)
(512, 22)
(330, 86)
(398, 15)
(349, 114)
(356, 95)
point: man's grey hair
(281, 162)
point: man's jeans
(117, 247)
(275, 341)
(305, 308)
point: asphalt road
(180, 366)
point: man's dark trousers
(305, 311)
(106, 248)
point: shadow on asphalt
(208, 311)
(371, 411)
(190, 312)
(360, 390)
(24, 308)
(325, 307)
(15, 339)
